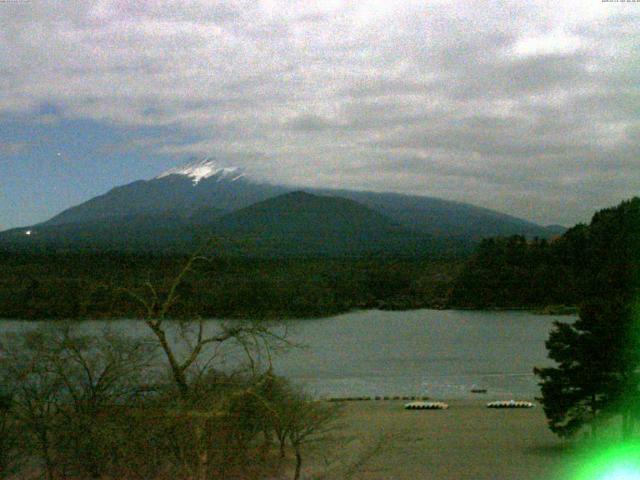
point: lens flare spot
(618, 462)
(622, 473)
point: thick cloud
(526, 107)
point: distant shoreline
(550, 311)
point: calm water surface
(440, 353)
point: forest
(502, 273)
(101, 285)
(586, 261)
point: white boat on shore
(510, 404)
(426, 406)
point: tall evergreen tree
(598, 356)
(596, 374)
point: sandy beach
(381, 440)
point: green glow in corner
(620, 462)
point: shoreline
(380, 440)
(543, 312)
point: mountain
(302, 212)
(445, 218)
(181, 205)
(131, 233)
(294, 224)
(179, 192)
(300, 223)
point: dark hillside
(514, 272)
(445, 218)
(302, 224)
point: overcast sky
(528, 107)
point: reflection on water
(438, 353)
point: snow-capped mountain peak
(206, 168)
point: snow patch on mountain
(206, 168)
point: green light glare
(622, 473)
(617, 462)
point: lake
(439, 353)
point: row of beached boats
(444, 406)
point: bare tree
(157, 306)
(101, 374)
(82, 401)
(35, 390)
(64, 387)
(10, 454)
(307, 419)
(190, 364)
(98, 371)
(293, 417)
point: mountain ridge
(201, 196)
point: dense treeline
(586, 261)
(99, 285)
